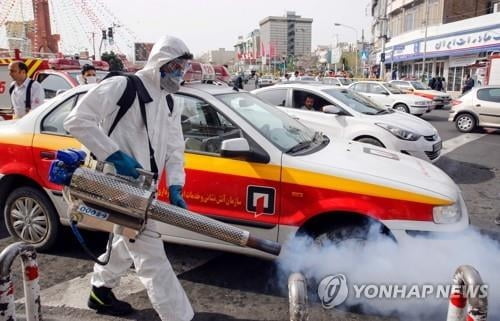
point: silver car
(479, 107)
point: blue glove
(175, 192)
(124, 164)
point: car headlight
(399, 132)
(447, 214)
(421, 103)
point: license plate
(86, 210)
(437, 146)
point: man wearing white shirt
(25, 93)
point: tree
(115, 63)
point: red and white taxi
(248, 164)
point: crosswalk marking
(454, 143)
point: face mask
(91, 79)
(170, 81)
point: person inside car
(308, 103)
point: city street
(224, 286)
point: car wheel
(402, 107)
(31, 217)
(465, 123)
(351, 235)
(370, 140)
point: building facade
(247, 51)
(436, 38)
(287, 36)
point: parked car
(266, 80)
(479, 107)
(306, 78)
(440, 99)
(249, 164)
(352, 116)
(388, 95)
(337, 81)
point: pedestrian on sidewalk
(25, 93)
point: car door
(403, 85)
(235, 191)
(50, 136)
(380, 95)
(487, 106)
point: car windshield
(345, 81)
(356, 101)
(307, 78)
(279, 128)
(418, 85)
(392, 88)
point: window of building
(456, 78)
(409, 20)
(439, 68)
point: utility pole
(383, 35)
(425, 37)
(93, 43)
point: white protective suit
(89, 122)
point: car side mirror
(235, 147)
(331, 109)
(385, 93)
(239, 148)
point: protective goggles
(176, 66)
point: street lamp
(356, 31)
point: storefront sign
(487, 39)
(462, 61)
(469, 40)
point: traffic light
(103, 34)
(110, 32)
(382, 57)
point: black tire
(349, 234)
(402, 107)
(371, 141)
(30, 217)
(465, 123)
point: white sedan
(352, 116)
(388, 95)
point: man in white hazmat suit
(128, 147)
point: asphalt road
(224, 286)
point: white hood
(164, 50)
(411, 98)
(405, 121)
(349, 159)
(434, 93)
